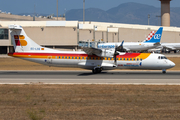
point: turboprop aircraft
(152, 41)
(91, 58)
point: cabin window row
(99, 58)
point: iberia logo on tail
(20, 40)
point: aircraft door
(49, 59)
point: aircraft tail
(21, 42)
(156, 37)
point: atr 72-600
(92, 59)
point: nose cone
(171, 64)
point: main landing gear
(164, 71)
(96, 70)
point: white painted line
(46, 79)
(94, 81)
(89, 84)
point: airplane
(91, 58)
(152, 41)
(166, 47)
(171, 46)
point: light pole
(57, 9)
(83, 11)
(148, 18)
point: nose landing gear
(164, 71)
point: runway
(86, 77)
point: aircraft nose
(171, 64)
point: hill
(130, 13)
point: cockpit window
(162, 57)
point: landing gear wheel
(99, 70)
(96, 70)
(163, 71)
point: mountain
(130, 13)
(91, 14)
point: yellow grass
(89, 102)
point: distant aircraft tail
(150, 35)
(21, 42)
(154, 38)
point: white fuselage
(129, 46)
(81, 59)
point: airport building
(65, 35)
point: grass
(79, 102)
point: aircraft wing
(126, 49)
(92, 51)
(169, 47)
(99, 52)
(157, 44)
(103, 52)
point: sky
(50, 6)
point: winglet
(157, 37)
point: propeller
(117, 48)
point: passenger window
(75, 57)
(120, 58)
(130, 59)
(134, 59)
(159, 57)
(137, 59)
(124, 58)
(65, 57)
(82, 57)
(59, 57)
(127, 59)
(72, 57)
(141, 59)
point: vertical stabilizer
(157, 37)
(21, 42)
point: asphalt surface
(86, 77)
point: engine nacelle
(92, 65)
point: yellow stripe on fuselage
(143, 56)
